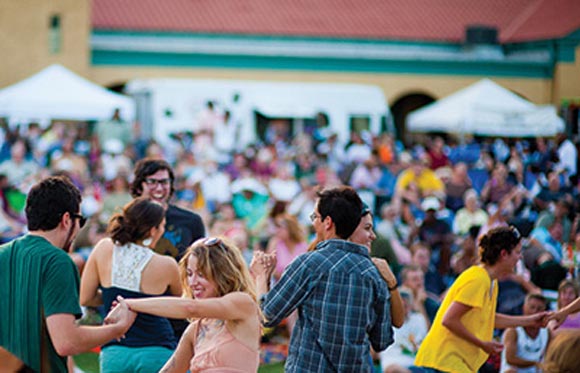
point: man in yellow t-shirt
(460, 339)
(420, 177)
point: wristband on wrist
(394, 287)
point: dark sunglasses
(82, 219)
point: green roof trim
(458, 68)
(255, 52)
(562, 50)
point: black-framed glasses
(82, 219)
(154, 182)
(313, 216)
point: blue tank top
(147, 330)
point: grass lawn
(272, 368)
(88, 362)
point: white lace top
(128, 262)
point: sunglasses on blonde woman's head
(213, 241)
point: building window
(54, 34)
(359, 123)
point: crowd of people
(464, 233)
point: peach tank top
(217, 350)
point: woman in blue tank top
(125, 265)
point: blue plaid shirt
(343, 308)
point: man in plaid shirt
(342, 301)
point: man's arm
(289, 292)
(510, 340)
(69, 338)
(452, 321)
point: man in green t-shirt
(40, 285)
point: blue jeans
(415, 369)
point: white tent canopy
(486, 109)
(57, 93)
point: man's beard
(69, 239)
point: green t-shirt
(37, 280)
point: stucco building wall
(24, 37)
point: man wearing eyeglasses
(39, 296)
(154, 178)
(342, 301)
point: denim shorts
(119, 359)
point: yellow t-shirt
(427, 181)
(445, 351)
